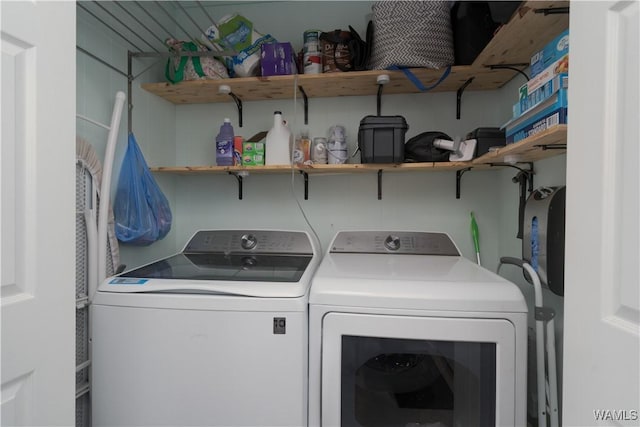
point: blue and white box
(530, 98)
(553, 52)
(550, 113)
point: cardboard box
(530, 99)
(277, 59)
(237, 150)
(550, 113)
(253, 150)
(253, 159)
(551, 53)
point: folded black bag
(420, 148)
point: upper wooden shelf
(515, 42)
(545, 144)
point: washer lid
(421, 282)
(260, 263)
(231, 267)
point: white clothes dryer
(216, 335)
(406, 332)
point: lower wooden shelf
(313, 169)
(546, 144)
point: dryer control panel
(394, 242)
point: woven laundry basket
(411, 34)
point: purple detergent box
(277, 59)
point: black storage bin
(381, 139)
(474, 23)
(487, 137)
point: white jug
(278, 143)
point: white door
(37, 181)
(602, 297)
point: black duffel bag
(420, 148)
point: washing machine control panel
(397, 242)
(262, 241)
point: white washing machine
(216, 335)
(405, 332)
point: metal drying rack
(128, 19)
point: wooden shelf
(313, 169)
(548, 143)
(355, 83)
(526, 33)
(529, 150)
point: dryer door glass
(400, 382)
(392, 370)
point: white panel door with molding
(37, 182)
(601, 384)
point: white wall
(423, 201)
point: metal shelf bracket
(459, 96)
(552, 10)
(227, 89)
(305, 99)
(381, 80)
(306, 184)
(238, 177)
(524, 178)
(459, 174)
(513, 67)
(552, 147)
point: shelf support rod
(102, 61)
(522, 178)
(129, 93)
(379, 184)
(459, 96)
(227, 89)
(239, 179)
(511, 67)
(552, 147)
(552, 10)
(306, 184)
(459, 174)
(528, 172)
(239, 105)
(305, 99)
(381, 80)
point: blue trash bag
(142, 213)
